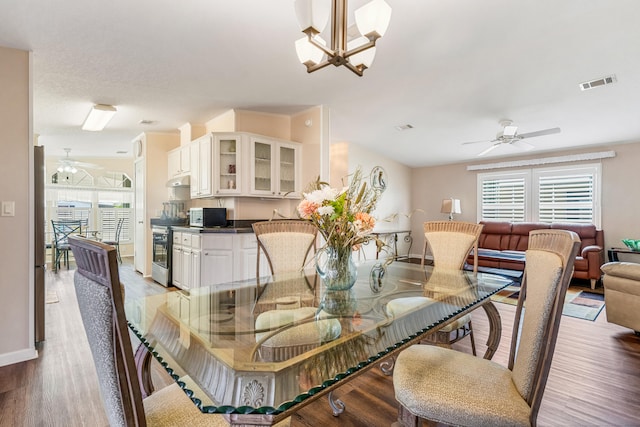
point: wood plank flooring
(594, 380)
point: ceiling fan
(509, 135)
(67, 164)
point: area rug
(52, 297)
(578, 302)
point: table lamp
(450, 206)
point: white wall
(393, 211)
(16, 185)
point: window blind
(503, 199)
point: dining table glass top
(264, 345)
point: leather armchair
(622, 294)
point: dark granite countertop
(231, 229)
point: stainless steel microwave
(208, 217)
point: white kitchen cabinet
(179, 162)
(216, 259)
(274, 168)
(207, 259)
(245, 257)
(228, 164)
(201, 173)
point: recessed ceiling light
(146, 122)
(404, 127)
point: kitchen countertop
(231, 229)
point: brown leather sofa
(503, 244)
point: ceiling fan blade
(487, 150)
(477, 142)
(540, 133)
(522, 145)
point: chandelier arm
(359, 70)
(326, 50)
(315, 67)
(372, 43)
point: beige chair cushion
(171, 407)
(287, 251)
(317, 330)
(423, 370)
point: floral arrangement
(343, 216)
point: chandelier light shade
(372, 21)
(450, 206)
(98, 117)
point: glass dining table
(259, 350)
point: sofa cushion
(495, 235)
(586, 232)
(519, 239)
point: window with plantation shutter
(568, 194)
(503, 197)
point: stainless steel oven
(161, 261)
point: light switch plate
(8, 208)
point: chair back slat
(101, 305)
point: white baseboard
(18, 356)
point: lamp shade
(312, 14)
(362, 58)
(308, 53)
(451, 206)
(373, 18)
(98, 117)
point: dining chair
(62, 229)
(116, 241)
(450, 243)
(286, 244)
(450, 387)
(100, 299)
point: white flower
(326, 210)
(319, 196)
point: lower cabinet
(207, 259)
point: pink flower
(307, 208)
(364, 221)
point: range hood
(181, 181)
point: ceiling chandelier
(372, 21)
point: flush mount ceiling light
(98, 117)
(372, 21)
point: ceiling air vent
(598, 82)
(404, 127)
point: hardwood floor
(594, 380)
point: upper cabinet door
(201, 158)
(288, 170)
(228, 165)
(262, 155)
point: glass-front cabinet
(275, 168)
(228, 165)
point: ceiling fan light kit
(99, 116)
(509, 135)
(372, 21)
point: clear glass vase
(336, 268)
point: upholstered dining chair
(286, 244)
(456, 388)
(450, 243)
(100, 300)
